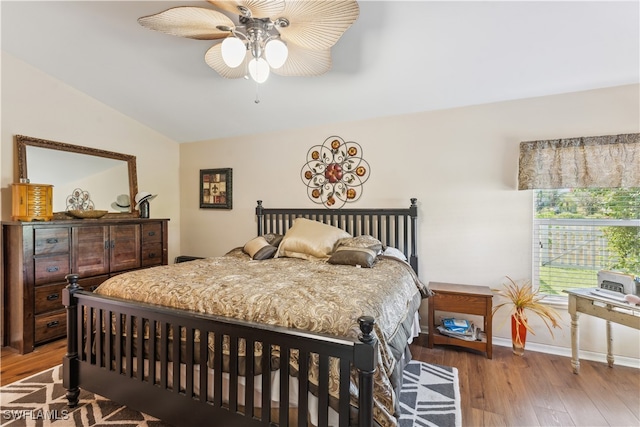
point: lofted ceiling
(399, 57)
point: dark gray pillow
(347, 255)
(273, 238)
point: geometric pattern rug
(430, 397)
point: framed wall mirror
(105, 176)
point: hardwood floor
(14, 366)
(537, 389)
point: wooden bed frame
(111, 364)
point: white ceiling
(399, 57)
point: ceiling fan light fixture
(286, 37)
(233, 51)
(276, 53)
(259, 70)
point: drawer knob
(152, 255)
(152, 233)
(52, 297)
(52, 269)
(53, 324)
(52, 240)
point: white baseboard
(564, 351)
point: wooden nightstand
(465, 299)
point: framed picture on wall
(215, 188)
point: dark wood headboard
(393, 227)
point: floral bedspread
(310, 295)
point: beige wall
(37, 105)
(461, 164)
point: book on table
(459, 328)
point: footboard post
(70, 374)
(365, 362)
(413, 212)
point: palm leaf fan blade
(213, 58)
(257, 8)
(190, 22)
(317, 25)
(305, 62)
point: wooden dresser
(38, 256)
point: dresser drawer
(49, 297)
(51, 241)
(151, 254)
(50, 326)
(152, 233)
(91, 283)
(51, 269)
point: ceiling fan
(290, 37)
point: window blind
(577, 232)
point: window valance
(609, 161)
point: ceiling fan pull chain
(257, 100)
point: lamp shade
(276, 52)
(233, 51)
(259, 70)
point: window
(577, 232)
(586, 208)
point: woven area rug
(430, 397)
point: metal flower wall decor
(334, 172)
(80, 200)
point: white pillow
(309, 239)
(394, 252)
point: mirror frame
(22, 142)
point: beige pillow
(259, 248)
(362, 241)
(309, 239)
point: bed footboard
(189, 381)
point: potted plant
(521, 297)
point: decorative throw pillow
(358, 251)
(394, 252)
(273, 238)
(363, 241)
(359, 257)
(259, 249)
(308, 239)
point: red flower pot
(518, 333)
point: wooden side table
(465, 299)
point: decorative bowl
(86, 214)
